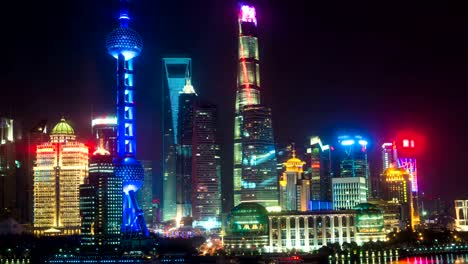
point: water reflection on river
(428, 259)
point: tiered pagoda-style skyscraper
(125, 44)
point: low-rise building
(247, 229)
(250, 227)
(461, 210)
(307, 231)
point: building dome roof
(62, 128)
(294, 164)
(392, 170)
(248, 219)
(125, 41)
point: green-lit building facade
(369, 223)
(247, 229)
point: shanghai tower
(124, 44)
(255, 176)
(248, 85)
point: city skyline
(379, 117)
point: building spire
(188, 88)
(124, 16)
(293, 146)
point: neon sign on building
(409, 164)
(247, 14)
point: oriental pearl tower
(124, 44)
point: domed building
(62, 132)
(247, 228)
(62, 165)
(294, 186)
(369, 223)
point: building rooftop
(62, 128)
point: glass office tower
(320, 170)
(187, 100)
(101, 202)
(175, 74)
(206, 164)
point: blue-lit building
(352, 151)
(259, 182)
(351, 185)
(125, 44)
(176, 71)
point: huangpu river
(446, 258)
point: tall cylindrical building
(248, 85)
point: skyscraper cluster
(191, 151)
(105, 193)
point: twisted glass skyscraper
(125, 44)
(248, 85)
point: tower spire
(124, 16)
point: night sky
(378, 69)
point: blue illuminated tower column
(125, 44)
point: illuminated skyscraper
(320, 170)
(352, 186)
(124, 44)
(294, 186)
(353, 157)
(145, 195)
(185, 128)
(206, 163)
(6, 130)
(61, 166)
(105, 128)
(8, 181)
(396, 188)
(248, 86)
(37, 135)
(407, 160)
(101, 202)
(176, 71)
(259, 181)
(389, 156)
